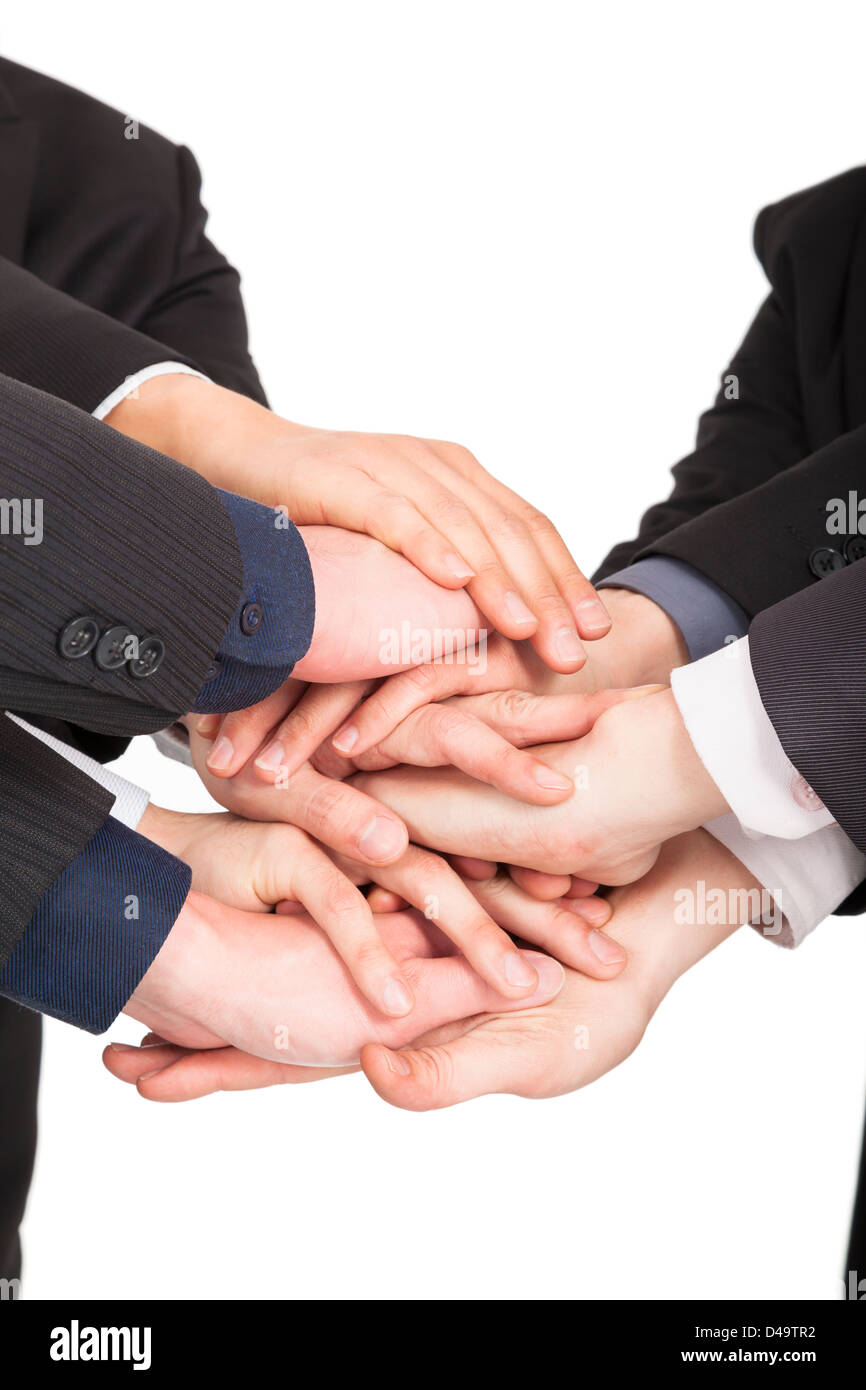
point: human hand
(589, 1028)
(428, 499)
(247, 863)
(167, 1071)
(640, 782)
(274, 988)
(642, 648)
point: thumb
(446, 989)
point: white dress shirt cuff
(735, 740)
(133, 382)
(130, 801)
(802, 881)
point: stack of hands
(442, 786)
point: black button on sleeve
(111, 652)
(78, 638)
(151, 652)
(855, 549)
(825, 560)
(251, 618)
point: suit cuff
(272, 625)
(802, 881)
(97, 929)
(705, 615)
(735, 740)
(132, 383)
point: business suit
(750, 507)
(104, 269)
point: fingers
(447, 989)
(341, 816)
(167, 1073)
(523, 718)
(568, 929)
(463, 514)
(430, 885)
(545, 887)
(478, 1063)
(443, 735)
(316, 715)
(239, 734)
(359, 502)
(346, 918)
(591, 616)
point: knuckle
(507, 526)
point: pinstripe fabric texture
(97, 929)
(809, 659)
(48, 812)
(130, 537)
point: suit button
(824, 561)
(111, 652)
(151, 651)
(78, 638)
(251, 618)
(855, 549)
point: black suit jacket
(749, 507)
(104, 269)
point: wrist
(168, 829)
(644, 644)
(650, 735)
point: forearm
(660, 920)
(211, 430)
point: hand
(273, 987)
(256, 866)
(431, 501)
(640, 782)
(642, 648)
(168, 1072)
(589, 1028)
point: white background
(525, 226)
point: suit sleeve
(753, 431)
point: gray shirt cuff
(705, 615)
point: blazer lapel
(18, 146)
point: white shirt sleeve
(779, 829)
(724, 715)
(130, 801)
(137, 379)
(803, 881)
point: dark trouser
(20, 1049)
(857, 1246)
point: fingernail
(221, 754)
(458, 566)
(517, 971)
(148, 1074)
(568, 645)
(208, 724)
(518, 609)
(272, 759)
(344, 741)
(553, 781)
(122, 1047)
(608, 951)
(593, 910)
(397, 1062)
(396, 998)
(381, 840)
(593, 614)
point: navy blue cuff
(97, 929)
(705, 615)
(272, 626)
